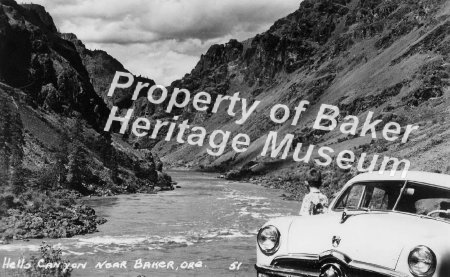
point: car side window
(375, 198)
(351, 198)
(381, 195)
(425, 200)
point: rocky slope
(389, 57)
(385, 56)
(52, 144)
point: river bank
(208, 220)
(48, 215)
(59, 214)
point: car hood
(371, 237)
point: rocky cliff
(388, 57)
(52, 144)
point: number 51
(235, 266)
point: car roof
(437, 179)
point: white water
(208, 219)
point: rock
(164, 181)
(51, 97)
(145, 168)
(158, 163)
(44, 20)
(101, 220)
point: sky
(163, 39)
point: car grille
(312, 268)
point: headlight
(268, 240)
(422, 261)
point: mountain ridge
(52, 145)
(389, 57)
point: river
(207, 227)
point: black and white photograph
(289, 138)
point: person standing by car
(315, 202)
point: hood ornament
(335, 241)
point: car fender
(439, 246)
(282, 224)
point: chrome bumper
(283, 272)
(353, 267)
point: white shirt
(313, 198)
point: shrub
(49, 255)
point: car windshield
(411, 198)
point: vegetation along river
(207, 227)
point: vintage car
(377, 225)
